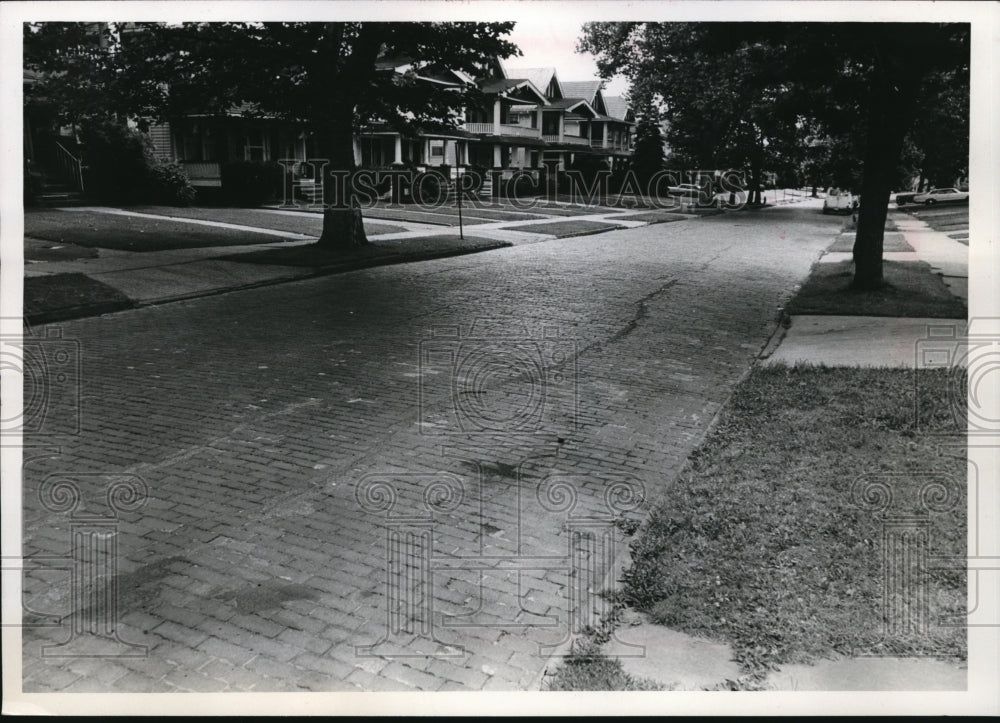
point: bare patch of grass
(587, 669)
(911, 290)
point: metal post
(458, 188)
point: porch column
(605, 136)
(427, 152)
(356, 142)
(497, 155)
(496, 117)
(398, 151)
(539, 117)
(562, 127)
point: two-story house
(522, 118)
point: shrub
(523, 187)
(170, 185)
(429, 188)
(117, 163)
(120, 167)
(589, 167)
(252, 183)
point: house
(565, 120)
(523, 118)
(52, 161)
(612, 131)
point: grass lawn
(655, 217)
(442, 217)
(562, 229)
(52, 298)
(132, 233)
(401, 250)
(480, 212)
(911, 290)
(892, 242)
(445, 215)
(41, 250)
(587, 669)
(614, 201)
(311, 225)
(762, 542)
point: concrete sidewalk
(946, 255)
(878, 341)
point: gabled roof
(541, 77)
(498, 85)
(443, 76)
(392, 62)
(574, 105)
(506, 86)
(582, 89)
(618, 107)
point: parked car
(942, 195)
(692, 193)
(839, 201)
(906, 197)
(684, 189)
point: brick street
(399, 478)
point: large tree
(749, 92)
(647, 156)
(722, 111)
(330, 78)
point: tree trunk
(343, 224)
(754, 183)
(814, 192)
(889, 103)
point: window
(208, 145)
(437, 149)
(191, 143)
(255, 146)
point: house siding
(163, 142)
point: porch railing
(203, 173)
(567, 139)
(507, 129)
(504, 129)
(610, 145)
(68, 166)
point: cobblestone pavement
(392, 479)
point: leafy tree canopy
(839, 100)
(331, 78)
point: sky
(552, 43)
